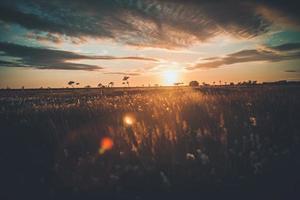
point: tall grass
(179, 139)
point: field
(158, 142)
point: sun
(170, 77)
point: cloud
(288, 51)
(42, 58)
(126, 58)
(45, 38)
(280, 11)
(287, 47)
(291, 71)
(7, 63)
(123, 73)
(152, 23)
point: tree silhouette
(71, 83)
(178, 83)
(194, 84)
(125, 80)
(205, 84)
(111, 84)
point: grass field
(160, 141)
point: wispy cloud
(6, 63)
(279, 53)
(292, 71)
(126, 58)
(43, 58)
(124, 73)
(44, 38)
(151, 23)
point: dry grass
(171, 139)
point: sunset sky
(48, 43)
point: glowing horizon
(146, 40)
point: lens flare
(105, 144)
(129, 120)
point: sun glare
(170, 77)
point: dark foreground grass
(202, 142)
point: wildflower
(204, 159)
(165, 179)
(66, 152)
(253, 121)
(190, 156)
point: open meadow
(149, 99)
(168, 141)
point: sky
(49, 43)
